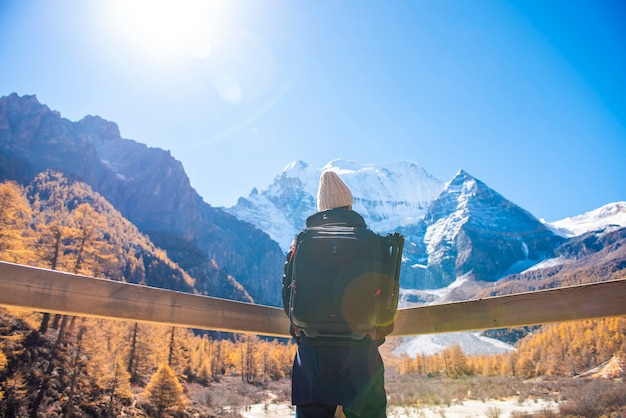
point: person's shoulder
(340, 217)
(356, 218)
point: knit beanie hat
(333, 192)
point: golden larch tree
(164, 390)
(16, 235)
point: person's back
(328, 371)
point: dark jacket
(328, 370)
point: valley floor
(469, 408)
(423, 397)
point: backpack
(344, 282)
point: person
(330, 375)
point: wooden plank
(596, 300)
(65, 293)
(71, 294)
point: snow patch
(472, 343)
(550, 262)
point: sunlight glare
(229, 88)
(191, 42)
(167, 29)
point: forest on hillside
(57, 365)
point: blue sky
(527, 96)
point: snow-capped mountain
(460, 229)
(607, 215)
(387, 195)
(470, 231)
(459, 235)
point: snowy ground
(470, 408)
(474, 408)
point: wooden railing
(58, 292)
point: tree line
(566, 349)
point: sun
(166, 29)
(189, 46)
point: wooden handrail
(72, 294)
(65, 293)
(570, 303)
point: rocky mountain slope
(147, 185)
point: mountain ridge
(147, 185)
(610, 214)
(442, 222)
(281, 209)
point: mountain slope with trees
(148, 187)
(70, 366)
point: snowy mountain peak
(607, 215)
(456, 196)
(297, 169)
(462, 185)
(387, 195)
(470, 230)
(343, 166)
(461, 175)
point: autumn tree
(107, 349)
(148, 348)
(76, 372)
(3, 364)
(89, 245)
(570, 348)
(133, 356)
(200, 359)
(16, 235)
(456, 363)
(164, 390)
(15, 382)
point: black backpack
(344, 282)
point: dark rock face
(605, 240)
(147, 185)
(40, 139)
